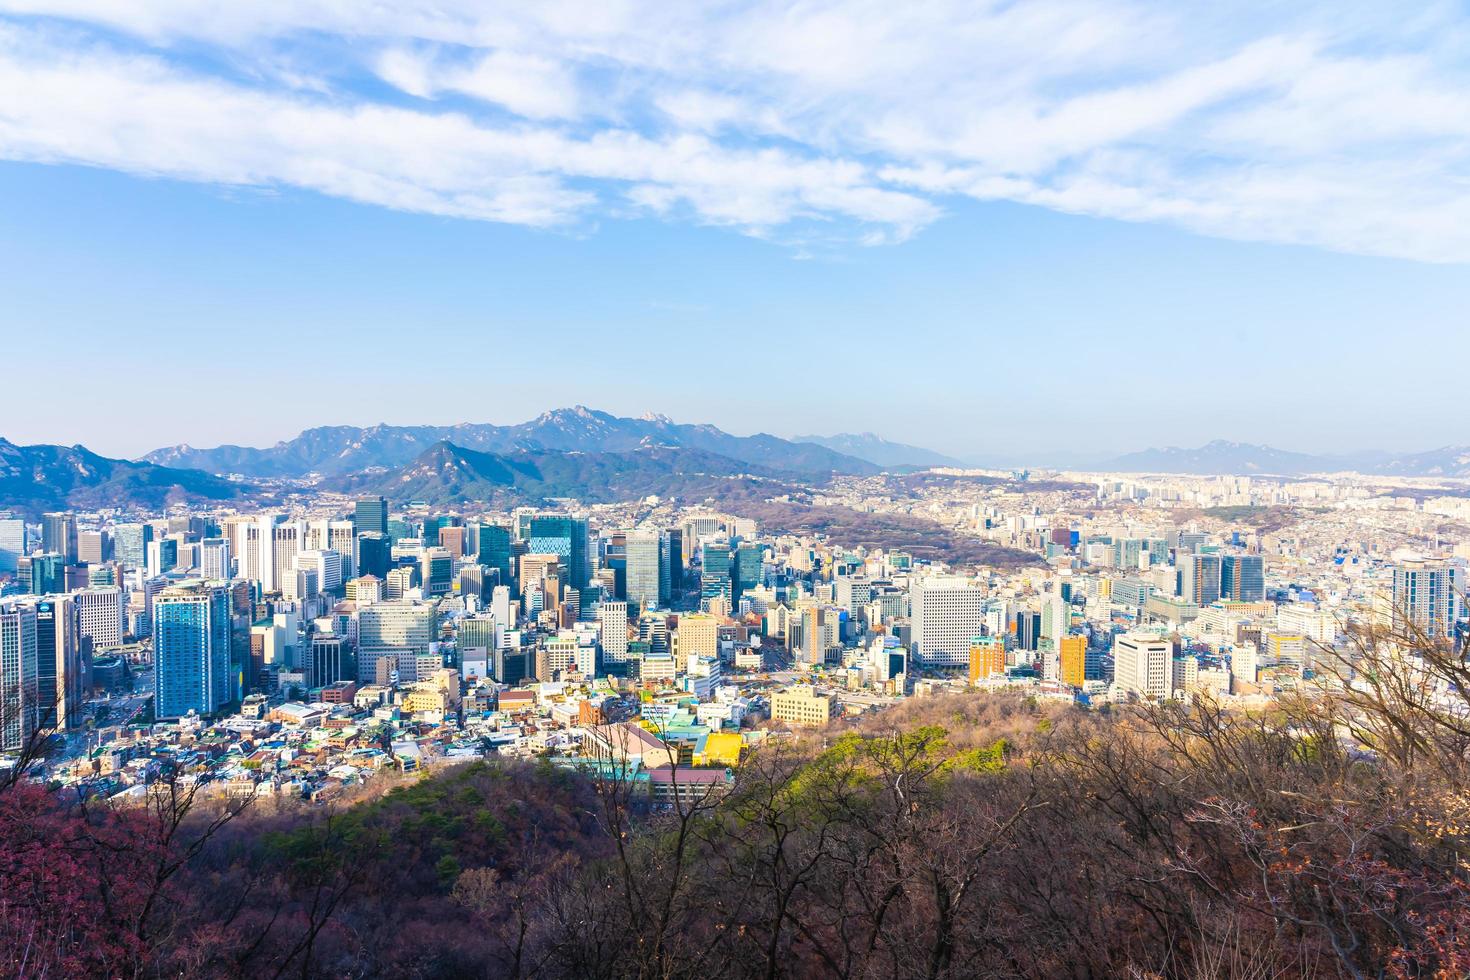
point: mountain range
(1239, 458)
(446, 473)
(881, 452)
(35, 479)
(340, 450)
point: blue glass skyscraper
(191, 650)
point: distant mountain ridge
(341, 449)
(879, 451)
(35, 479)
(1222, 458)
(1219, 457)
(446, 473)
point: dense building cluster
(299, 650)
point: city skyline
(1111, 193)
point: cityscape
(302, 646)
(774, 489)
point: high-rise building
(93, 547)
(14, 543)
(643, 570)
(947, 613)
(452, 539)
(370, 516)
(191, 649)
(328, 661)
(1242, 578)
(1143, 664)
(1426, 597)
(59, 535)
(163, 556)
(62, 661)
(715, 563)
(327, 566)
(674, 542)
(130, 543)
(286, 541)
(374, 554)
(987, 657)
(1199, 578)
(18, 675)
(698, 636)
(612, 631)
(565, 537)
(1028, 630)
(747, 567)
(390, 629)
(436, 571)
(102, 617)
(48, 574)
(214, 559)
(492, 549)
(1072, 658)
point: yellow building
(720, 749)
(987, 658)
(801, 706)
(1072, 654)
(425, 699)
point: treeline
(963, 836)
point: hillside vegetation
(950, 837)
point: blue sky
(991, 229)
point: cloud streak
(1332, 128)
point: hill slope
(34, 479)
(447, 473)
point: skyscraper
(62, 658)
(1426, 596)
(492, 549)
(612, 620)
(328, 661)
(59, 535)
(370, 516)
(1242, 578)
(101, 617)
(714, 579)
(643, 565)
(748, 565)
(436, 571)
(93, 547)
(1199, 578)
(947, 613)
(18, 675)
(987, 657)
(1144, 664)
(214, 559)
(131, 544)
(374, 554)
(191, 649)
(14, 543)
(1072, 657)
(48, 574)
(565, 537)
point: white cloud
(1344, 128)
(527, 85)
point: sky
(987, 228)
